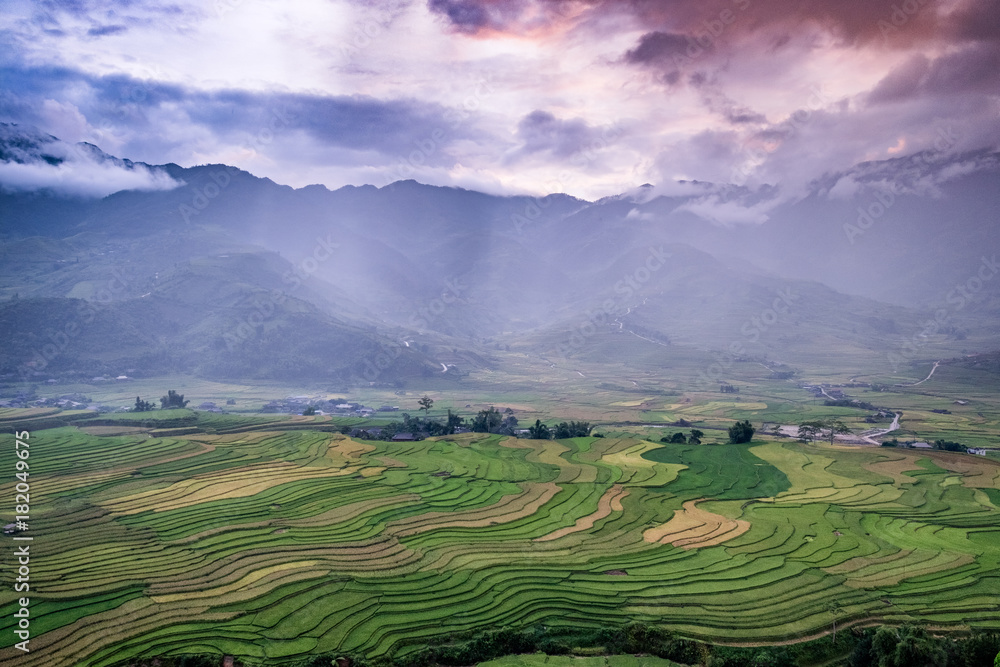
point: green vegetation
(278, 546)
(571, 430)
(275, 538)
(539, 431)
(143, 406)
(741, 432)
(642, 645)
(426, 403)
(949, 446)
(173, 400)
(813, 430)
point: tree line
(171, 401)
(884, 646)
(488, 420)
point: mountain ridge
(460, 269)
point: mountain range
(215, 271)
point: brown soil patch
(855, 564)
(348, 450)
(328, 518)
(978, 472)
(390, 462)
(113, 430)
(692, 527)
(509, 508)
(230, 483)
(611, 501)
(896, 467)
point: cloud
(903, 82)
(348, 91)
(658, 47)
(357, 122)
(973, 69)
(141, 113)
(105, 30)
(64, 120)
(636, 214)
(85, 179)
(514, 17)
(729, 213)
(541, 131)
(33, 161)
(850, 22)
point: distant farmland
(276, 545)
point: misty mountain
(903, 231)
(223, 316)
(340, 277)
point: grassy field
(272, 545)
(272, 537)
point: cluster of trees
(169, 402)
(909, 645)
(680, 439)
(905, 646)
(419, 427)
(729, 389)
(562, 430)
(490, 420)
(827, 428)
(142, 406)
(849, 403)
(741, 432)
(949, 446)
(875, 647)
(172, 400)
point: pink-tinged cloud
(890, 23)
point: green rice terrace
(274, 545)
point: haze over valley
(514, 333)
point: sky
(588, 97)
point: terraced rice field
(274, 545)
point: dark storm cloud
(852, 22)
(516, 17)
(541, 132)
(758, 28)
(354, 122)
(471, 16)
(105, 30)
(976, 20)
(657, 47)
(902, 82)
(464, 15)
(975, 69)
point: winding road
(892, 427)
(934, 368)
